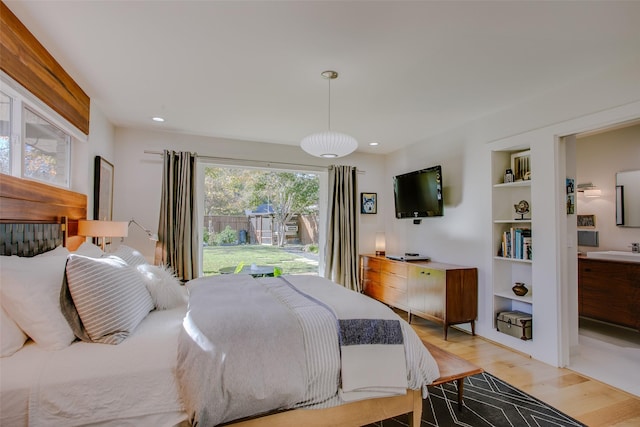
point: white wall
(598, 158)
(138, 175)
(100, 143)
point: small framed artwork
(103, 190)
(570, 189)
(587, 221)
(570, 184)
(368, 203)
(521, 165)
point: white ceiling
(251, 69)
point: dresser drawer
(395, 269)
(394, 281)
(386, 294)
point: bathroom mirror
(628, 198)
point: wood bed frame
(24, 201)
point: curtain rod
(262, 162)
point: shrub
(311, 247)
(226, 236)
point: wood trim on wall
(24, 201)
(24, 59)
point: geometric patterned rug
(488, 402)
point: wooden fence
(259, 230)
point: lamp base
(380, 253)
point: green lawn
(216, 257)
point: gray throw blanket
(232, 364)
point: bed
(141, 380)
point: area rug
(488, 401)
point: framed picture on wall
(587, 221)
(521, 165)
(103, 190)
(368, 203)
(571, 205)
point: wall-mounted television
(419, 194)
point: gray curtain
(341, 256)
(177, 229)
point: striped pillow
(110, 297)
(129, 255)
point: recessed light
(158, 119)
(373, 144)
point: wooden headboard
(29, 202)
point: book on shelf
(516, 243)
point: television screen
(419, 193)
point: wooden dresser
(443, 293)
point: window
(35, 142)
(46, 151)
(5, 133)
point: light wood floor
(587, 400)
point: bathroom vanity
(609, 290)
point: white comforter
(234, 363)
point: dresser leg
(473, 327)
(445, 330)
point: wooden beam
(24, 59)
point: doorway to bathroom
(608, 345)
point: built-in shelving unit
(511, 265)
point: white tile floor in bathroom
(609, 354)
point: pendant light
(329, 144)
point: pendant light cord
(329, 113)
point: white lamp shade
(103, 228)
(329, 144)
(380, 243)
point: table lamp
(103, 229)
(380, 244)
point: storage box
(515, 323)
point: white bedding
(132, 383)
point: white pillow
(129, 255)
(11, 336)
(30, 290)
(164, 287)
(110, 297)
(90, 250)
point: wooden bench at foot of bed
(352, 414)
(452, 368)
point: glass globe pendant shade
(329, 144)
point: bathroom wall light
(589, 190)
